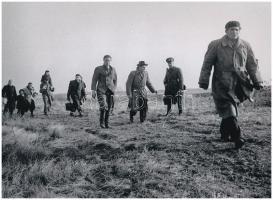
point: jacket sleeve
(165, 78)
(95, 79)
(209, 61)
(181, 79)
(15, 93)
(129, 83)
(83, 90)
(69, 90)
(252, 66)
(149, 84)
(4, 91)
(115, 78)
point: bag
(70, 107)
(5, 100)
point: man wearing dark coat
(9, 92)
(104, 84)
(174, 85)
(136, 92)
(22, 104)
(234, 77)
(76, 92)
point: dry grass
(63, 156)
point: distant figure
(30, 94)
(136, 92)
(9, 92)
(47, 78)
(22, 103)
(174, 86)
(76, 92)
(46, 91)
(104, 84)
(235, 75)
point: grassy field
(175, 156)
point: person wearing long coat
(234, 77)
(76, 92)
(174, 86)
(9, 92)
(136, 92)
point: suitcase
(70, 107)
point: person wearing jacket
(76, 92)
(30, 94)
(174, 85)
(9, 92)
(136, 92)
(234, 77)
(104, 84)
(22, 104)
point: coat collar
(227, 42)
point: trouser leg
(232, 127)
(109, 102)
(179, 104)
(102, 111)
(45, 104)
(132, 114)
(32, 107)
(143, 110)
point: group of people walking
(235, 76)
(24, 101)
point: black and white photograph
(136, 99)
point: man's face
(233, 32)
(142, 68)
(47, 73)
(22, 93)
(78, 78)
(10, 82)
(30, 85)
(170, 64)
(107, 61)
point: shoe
(180, 112)
(80, 114)
(102, 126)
(71, 114)
(106, 120)
(239, 144)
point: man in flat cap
(104, 84)
(135, 89)
(174, 85)
(9, 92)
(76, 92)
(235, 75)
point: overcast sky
(70, 38)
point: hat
(232, 24)
(170, 59)
(47, 71)
(142, 63)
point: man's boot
(169, 106)
(180, 112)
(102, 118)
(107, 113)
(224, 129)
(131, 117)
(239, 142)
